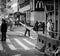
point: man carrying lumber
(27, 30)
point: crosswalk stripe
(17, 55)
(8, 40)
(20, 32)
(1, 47)
(32, 37)
(12, 47)
(21, 44)
(29, 42)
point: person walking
(11, 24)
(3, 30)
(27, 30)
(36, 26)
(49, 27)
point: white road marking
(32, 37)
(21, 44)
(12, 47)
(8, 30)
(17, 55)
(8, 40)
(1, 47)
(20, 32)
(29, 42)
(6, 35)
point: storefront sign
(39, 5)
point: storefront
(20, 16)
(42, 11)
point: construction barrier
(44, 42)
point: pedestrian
(27, 30)
(36, 26)
(11, 24)
(3, 30)
(49, 27)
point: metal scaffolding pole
(46, 19)
(18, 5)
(54, 18)
(58, 19)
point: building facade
(34, 10)
(42, 11)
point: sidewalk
(21, 30)
(16, 31)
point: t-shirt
(49, 26)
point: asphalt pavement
(19, 45)
(20, 31)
